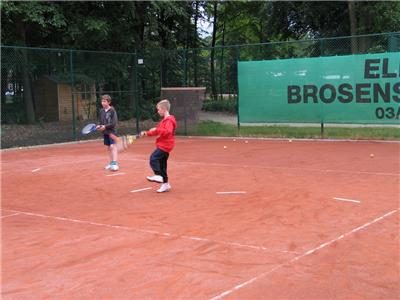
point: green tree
(24, 22)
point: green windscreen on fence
(363, 89)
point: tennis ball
(290, 141)
(224, 147)
(234, 140)
(246, 142)
(371, 155)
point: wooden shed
(53, 99)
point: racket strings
(88, 128)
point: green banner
(360, 89)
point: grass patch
(228, 105)
(210, 128)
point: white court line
(239, 286)
(233, 192)
(2, 217)
(51, 165)
(139, 190)
(285, 139)
(70, 162)
(116, 174)
(273, 167)
(192, 238)
(348, 200)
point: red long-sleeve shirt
(166, 132)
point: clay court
(266, 219)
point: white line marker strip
(140, 190)
(233, 192)
(116, 174)
(67, 163)
(193, 238)
(38, 169)
(239, 286)
(348, 200)
(2, 217)
(285, 168)
(273, 167)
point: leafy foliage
(145, 29)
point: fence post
(321, 47)
(393, 42)
(322, 129)
(194, 54)
(184, 83)
(162, 68)
(237, 89)
(136, 93)
(72, 95)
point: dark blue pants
(158, 162)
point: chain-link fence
(47, 95)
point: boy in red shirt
(164, 143)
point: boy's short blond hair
(164, 104)
(106, 97)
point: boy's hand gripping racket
(89, 128)
(123, 142)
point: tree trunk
(365, 25)
(164, 59)
(137, 12)
(188, 44)
(221, 71)
(196, 17)
(353, 25)
(214, 34)
(4, 83)
(26, 81)
(163, 45)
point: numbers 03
(387, 113)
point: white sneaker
(155, 178)
(108, 167)
(165, 187)
(114, 168)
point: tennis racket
(89, 128)
(126, 140)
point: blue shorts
(107, 140)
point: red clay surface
(69, 231)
